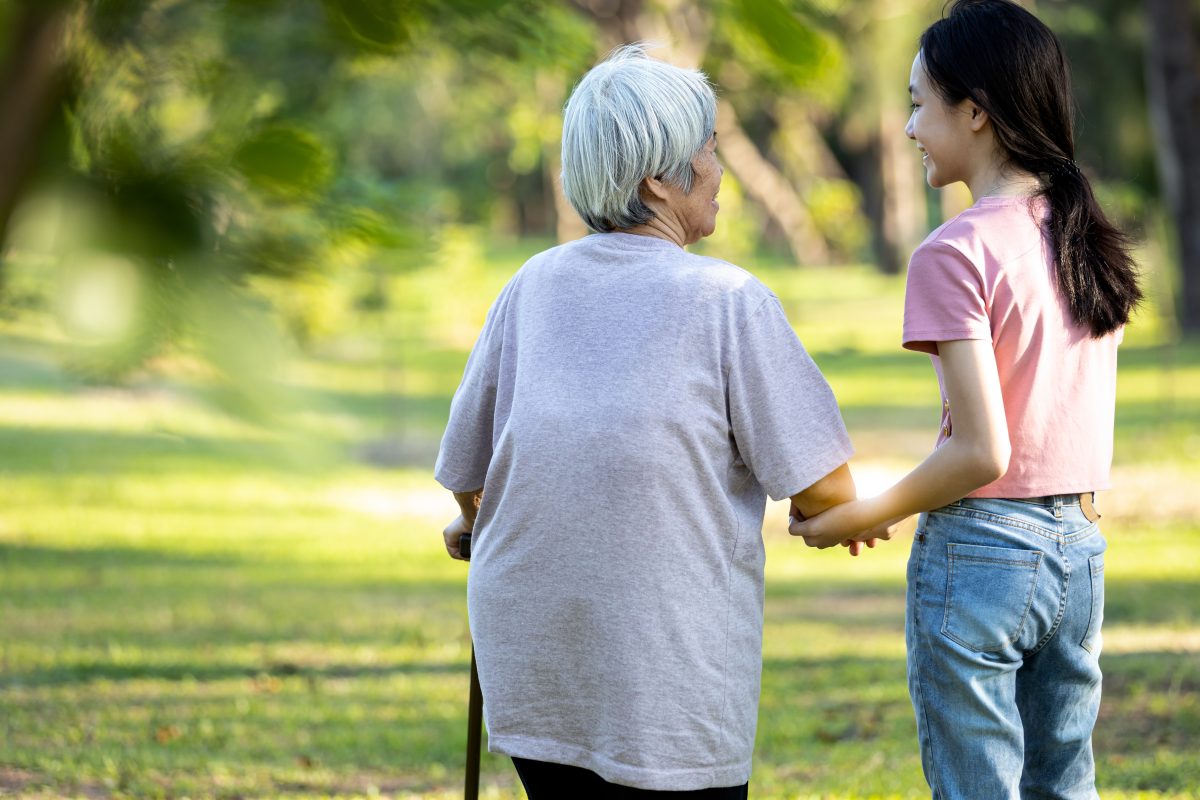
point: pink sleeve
(943, 300)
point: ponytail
(1010, 64)
(1096, 273)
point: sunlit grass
(196, 604)
(308, 643)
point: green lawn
(194, 605)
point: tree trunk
(900, 216)
(883, 162)
(765, 185)
(30, 86)
(568, 225)
(1173, 79)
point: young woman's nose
(908, 129)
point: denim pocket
(1091, 637)
(988, 594)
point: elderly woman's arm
(468, 504)
(834, 489)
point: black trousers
(546, 781)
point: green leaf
(285, 161)
(800, 50)
(380, 25)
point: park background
(247, 246)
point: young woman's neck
(998, 179)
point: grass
(192, 605)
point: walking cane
(474, 706)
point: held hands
(849, 524)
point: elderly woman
(623, 417)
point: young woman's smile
(943, 133)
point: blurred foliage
(788, 47)
(1104, 41)
(251, 149)
(287, 158)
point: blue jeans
(1005, 604)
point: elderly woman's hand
(795, 515)
(846, 524)
(452, 533)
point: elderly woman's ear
(652, 190)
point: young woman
(1020, 301)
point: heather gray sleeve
(785, 420)
(466, 448)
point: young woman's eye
(913, 106)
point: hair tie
(1066, 166)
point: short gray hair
(630, 118)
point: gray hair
(630, 118)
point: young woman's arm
(976, 454)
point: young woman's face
(943, 133)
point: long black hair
(1011, 65)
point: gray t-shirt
(627, 409)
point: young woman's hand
(848, 524)
(838, 525)
(855, 546)
(882, 532)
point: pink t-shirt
(989, 274)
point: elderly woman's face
(696, 211)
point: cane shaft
(474, 733)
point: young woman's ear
(979, 117)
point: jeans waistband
(1058, 500)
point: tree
(30, 85)
(212, 149)
(1173, 76)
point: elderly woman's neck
(661, 228)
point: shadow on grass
(17, 558)
(1137, 418)
(406, 438)
(1150, 671)
(1152, 602)
(382, 410)
(866, 603)
(137, 570)
(1145, 738)
(32, 373)
(83, 451)
(128, 613)
(207, 671)
(1183, 354)
(839, 672)
(861, 604)
(883, 417)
